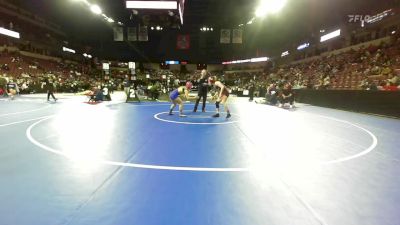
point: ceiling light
(96, 9)
(84, 1)
(331, 35)
(285, 54)
(65, 49)
(9, 33)
(269, 7)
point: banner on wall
(225, 36)
(237, 36)
(143, 33)
(118, 34)
(183, 42)
(132, 34)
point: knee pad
(217, 105)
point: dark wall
(375, 102)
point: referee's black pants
(50, 93)
(202, 94)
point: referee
(203, 90)
(50, 89)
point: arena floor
(70, 163)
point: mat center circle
(196, 118)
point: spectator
(272, 94)
(287, 96)
(393, 80)
(12, 89)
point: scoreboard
(176, 7)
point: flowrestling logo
(359, 18)
(371, 19)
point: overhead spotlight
(201, 29)
(260, 12)
(208, 29)
(204, 28)
(84, 54)
(96, 9)
(152, 28)
(211, 29)
(276, 5)
(240, 25)
(394, 32)
(158, 28)
(84, 1)
(170, 13)
(120, 23)
(269, 7)
(162, 28)
(250, 22)
(110, 20)
(89, 56)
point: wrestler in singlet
(176, 100)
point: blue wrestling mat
(108, 164)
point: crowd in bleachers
(368, 68)
(30, 73)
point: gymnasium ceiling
(294, 24)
